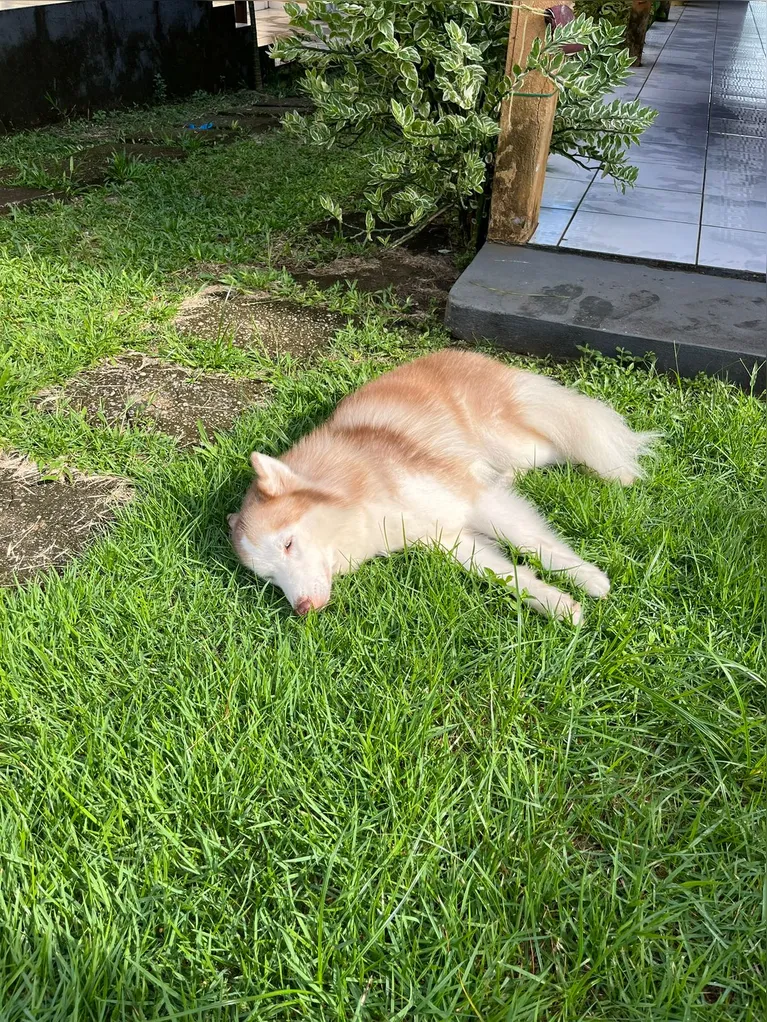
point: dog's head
(285, 533)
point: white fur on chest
(423, 511)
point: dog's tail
(582, 429)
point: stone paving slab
(45, 522)
(550, 302)
(135, 390)
(12, 196)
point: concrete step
(549, 302)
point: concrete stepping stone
(278, 327)
(135, 390)
(46, 522)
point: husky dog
(426, 454)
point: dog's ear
(274, 478)
(232, 519)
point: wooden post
(636, 28)
(257, 79)
(523, 145)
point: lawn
(424, 803)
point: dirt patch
(423, 278)
(45, 522)
(279, 327)
(227, 125)
(437, 238)
(134, 390)
(96, 164)
(10, 197)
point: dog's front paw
(567, 609)
(594, 581)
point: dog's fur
(425, 454)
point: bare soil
(278, 327)
(94, 165)
(44, 522)
(134, 390)
(422, 278)
(226, 125)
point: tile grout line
(708, 137)
(660, 52)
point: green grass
(423, 803)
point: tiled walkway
(701, 196)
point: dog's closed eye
(288, 544)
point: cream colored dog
(426, 454)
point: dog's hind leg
(478, 553)
(509, 516)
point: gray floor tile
(624, 93)
(743, 124)
(694, 158)
(560, 166)
(649, 59)
(746, 116)
(688, 118)
(712, 54)
(727, 43)
(732, 106)
(632, 236)
(694, 53)
(688, 65)
(690, 34)
(690, 31)
(662, 99)
(673, 81)
(741, 153)
(749, 68)
(739, 181)
(673, 136)
(750, 47)
(726, 150)
(734, 212)
(677, 167)
(552, 224)
(741, 60)
(733, 250)
(731, 84)
(648, 203)
(663, 175)
(729, 96)
(563, 192)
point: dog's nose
(303, 606)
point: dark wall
(86, 55)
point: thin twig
(418, 228)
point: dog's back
(464, 417)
